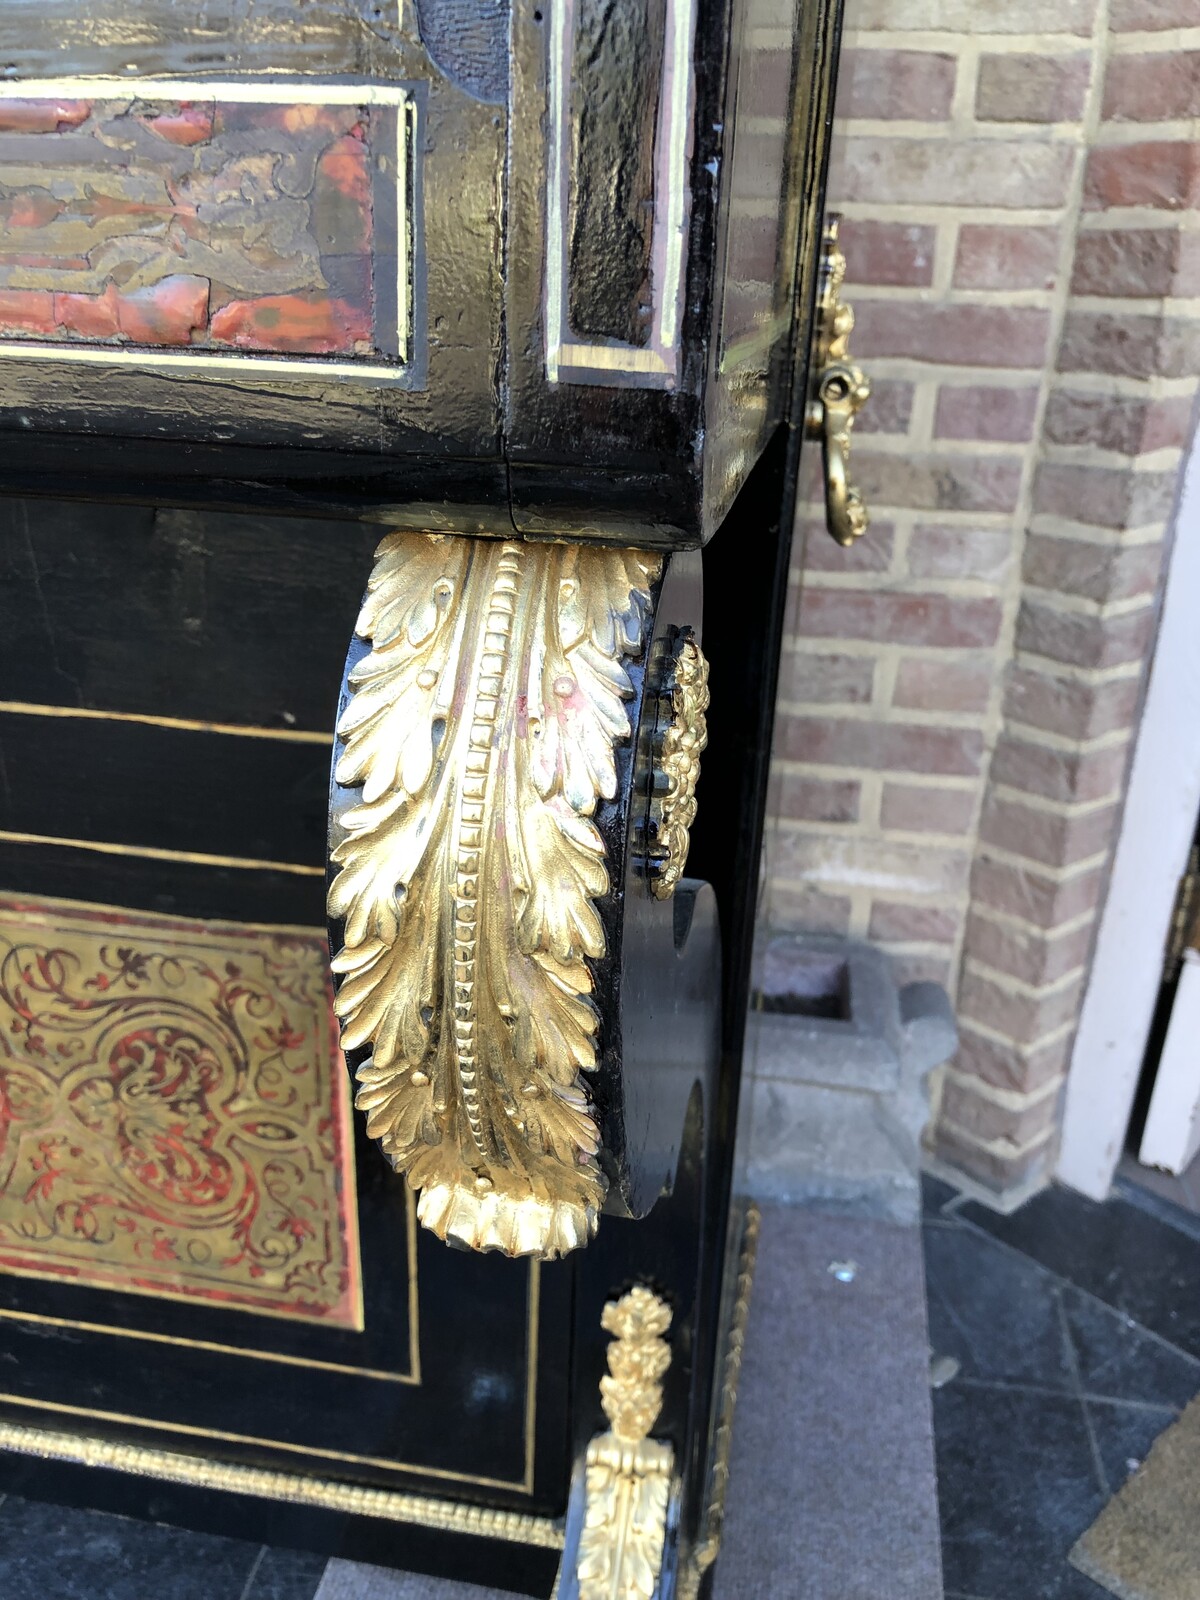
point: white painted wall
(1156, 835)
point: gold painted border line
(187, 1430)
(152, 852)
(33, 708)
(449, 1516)
(249, 91)
(414, 1298)
(346, 1172)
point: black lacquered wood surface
(181, 562)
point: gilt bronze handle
(841, 390)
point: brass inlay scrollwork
(481, 727)
(842, 389)
(628, 1474)
(683, 744)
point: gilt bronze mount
(841, 389)
(628, 1475)
(480, 730)
(677, 769)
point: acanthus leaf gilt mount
(481, 728)
(627, 1475)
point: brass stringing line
(239, 730)
(271, 1444)
(516, 1527)
(533, 1322)
(414, 1298)
(159, 853)
(181, 926)
(271, 1356)
(472, 807)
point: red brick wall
(1021, 186)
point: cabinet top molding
(460, 271)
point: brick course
(994, 255)
(958, 708)
(916, 85)
(980, 411)
(1032, 88)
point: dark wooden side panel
(745, 588)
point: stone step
(832, 1490)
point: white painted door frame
(1171, 1139)
(1151, 855)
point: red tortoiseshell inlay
(211, 226)
(174, 1116)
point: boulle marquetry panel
(173, 1112)
(201, 219)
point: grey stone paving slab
(832, 1493)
